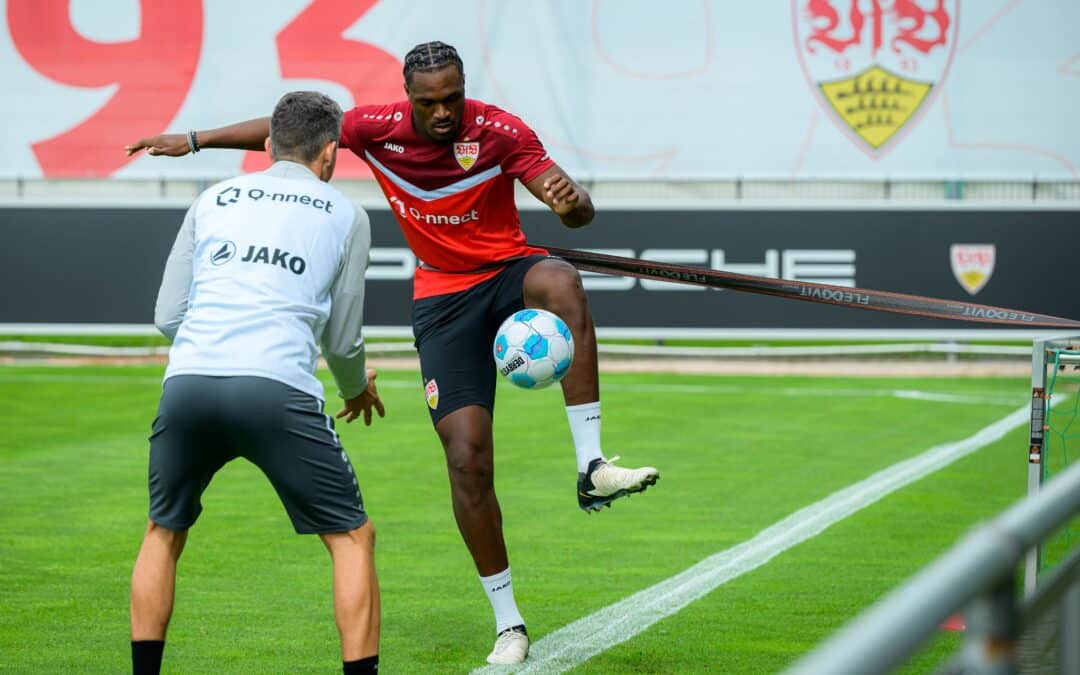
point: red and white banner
(935, 89)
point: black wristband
(193, 141)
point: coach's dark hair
(302, 124)
(431, 56)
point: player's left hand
(169, 145)
(561, 194)
(363, 403)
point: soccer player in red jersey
(447, 165)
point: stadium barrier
(649, 192)
(978, 576)
(82, 269)
(946, 350)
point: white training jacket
(265, 266)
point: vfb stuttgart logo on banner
(972, 265)
(466, 154)
(875, 65)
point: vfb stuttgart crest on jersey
(972, 265)
(466, 154)
(875, 65)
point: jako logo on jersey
(223, 254)
(431, 393)
(394, 147)
(466, 154)
(294, 264)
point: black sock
(146, 656)
(361, 666)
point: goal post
(1054, 436)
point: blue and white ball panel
(533, 348)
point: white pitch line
(940, 397)
(579, 641)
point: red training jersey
(454, 201)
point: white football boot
(512, 646)
(604, 482)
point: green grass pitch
(735, 454)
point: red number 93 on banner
(153, 73)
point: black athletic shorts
(203, 422)
(454, 335)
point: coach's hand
(363, 403)
(171, 145)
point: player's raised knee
(554, 283)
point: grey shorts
(203, 422)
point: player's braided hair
(430, 56)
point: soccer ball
(533, 348)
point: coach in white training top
(265, 267)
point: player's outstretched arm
(247, 135)
(363, 403)
(568, 200)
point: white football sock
(500, 592)
(585, 428)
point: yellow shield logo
(466, 154)
(972, 265)
(431, 393)
(875, 65)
